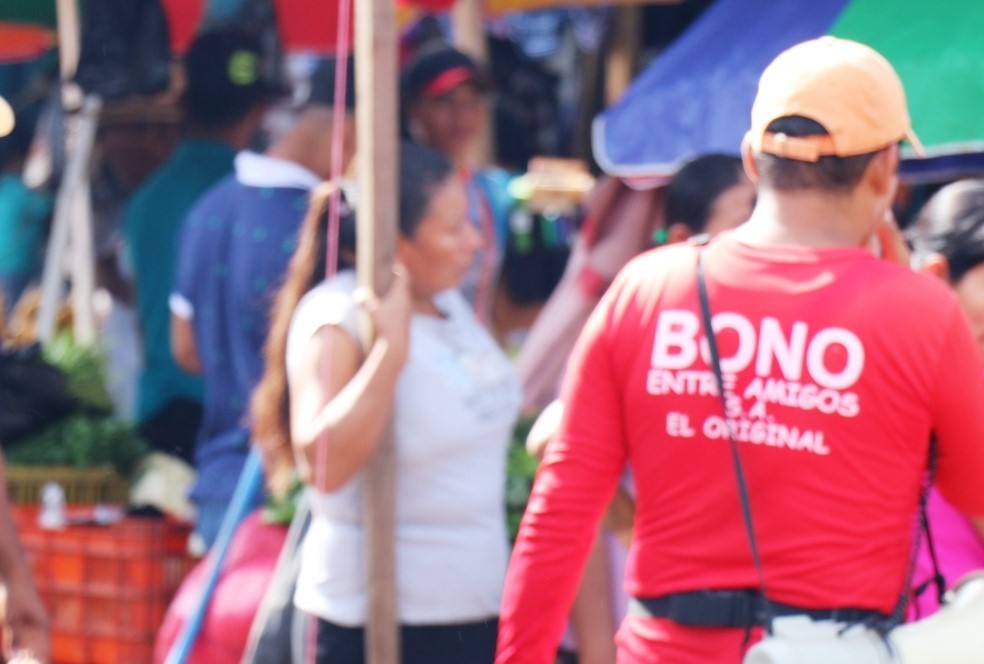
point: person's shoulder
(161, 180)
(896, 286)
(658, 261)
(143, 197)
(157, 187)
(219, 193)
(494, 181)
(328, 303)
(647, 277)
(217, 197)
(344, 281)
(336, 290)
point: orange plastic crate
(106, 587)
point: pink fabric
(958, 548)
(249, 565)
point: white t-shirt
(457, 399)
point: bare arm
(626, 220)
(544, 428)
(592, 614)
(183, 346)
(342, 402)
(23, 613)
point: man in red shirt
(837, 365)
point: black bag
(125, 49)
(33, 394)
(271, 638)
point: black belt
(734, 608)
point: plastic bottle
(52, 514)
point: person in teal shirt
(224, 102)
(23, 220)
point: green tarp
(938, 50)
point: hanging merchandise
(542, 226)
(525, 107)
(125, 48)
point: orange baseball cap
(6, 118)
(845, 86)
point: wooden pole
(468, 28)
(376, 119)
(624, 51)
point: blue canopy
(696, 97)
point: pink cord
(342, 51)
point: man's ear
(748, 161)
(937, 266)
(882, 173)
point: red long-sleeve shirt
(840, 366)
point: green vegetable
(84, 367)
(520, 471)
(92, 436)
(281, 510)
(82, 441)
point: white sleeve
(330, 303)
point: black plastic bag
(33, 394)
(125, 50)
(526, 107)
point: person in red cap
(837, 367)
(445, 106)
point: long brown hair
(270, 403)
(421, 169)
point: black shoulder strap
(938, 579)
(746, 507)
(898, 613)
(908, 592)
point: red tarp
(305, 25)
(19, 42)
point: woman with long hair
(453, 397)
(948, 243)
